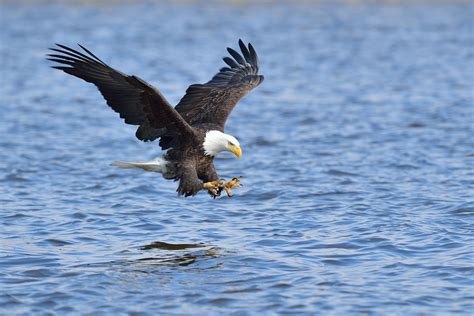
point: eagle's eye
(229, 143)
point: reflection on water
(177, 254)
(358, 164)
(160, 254)
(167, 246)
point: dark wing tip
(248, 52)
(62, 46)
(229, 61)
(253, 55)
(90, 53)
(238, 58)
(245, 52)
(87, 57)
(63, 68)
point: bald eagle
(192, 132)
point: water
(358, 164)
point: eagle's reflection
(167, 246)
(177, 254)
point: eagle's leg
(189, 183)
(213, 187)
(210, 179)
(234, 183)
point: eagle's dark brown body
(189, 164)
(182, 129)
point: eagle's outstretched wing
(137, 102)
(213, 101)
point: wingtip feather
(238, 58)
(245, 52)
(253, 54)
(229, 61)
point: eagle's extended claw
(214, 187)
(231, 184)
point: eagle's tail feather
(156, 165)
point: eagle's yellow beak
(236, 150)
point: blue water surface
(358, 163)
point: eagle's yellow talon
(231, 184)
(229, 192)
(213, 187)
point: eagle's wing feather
(213, 101)
(137, 102)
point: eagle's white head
(216, 141)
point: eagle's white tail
(155, 165)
